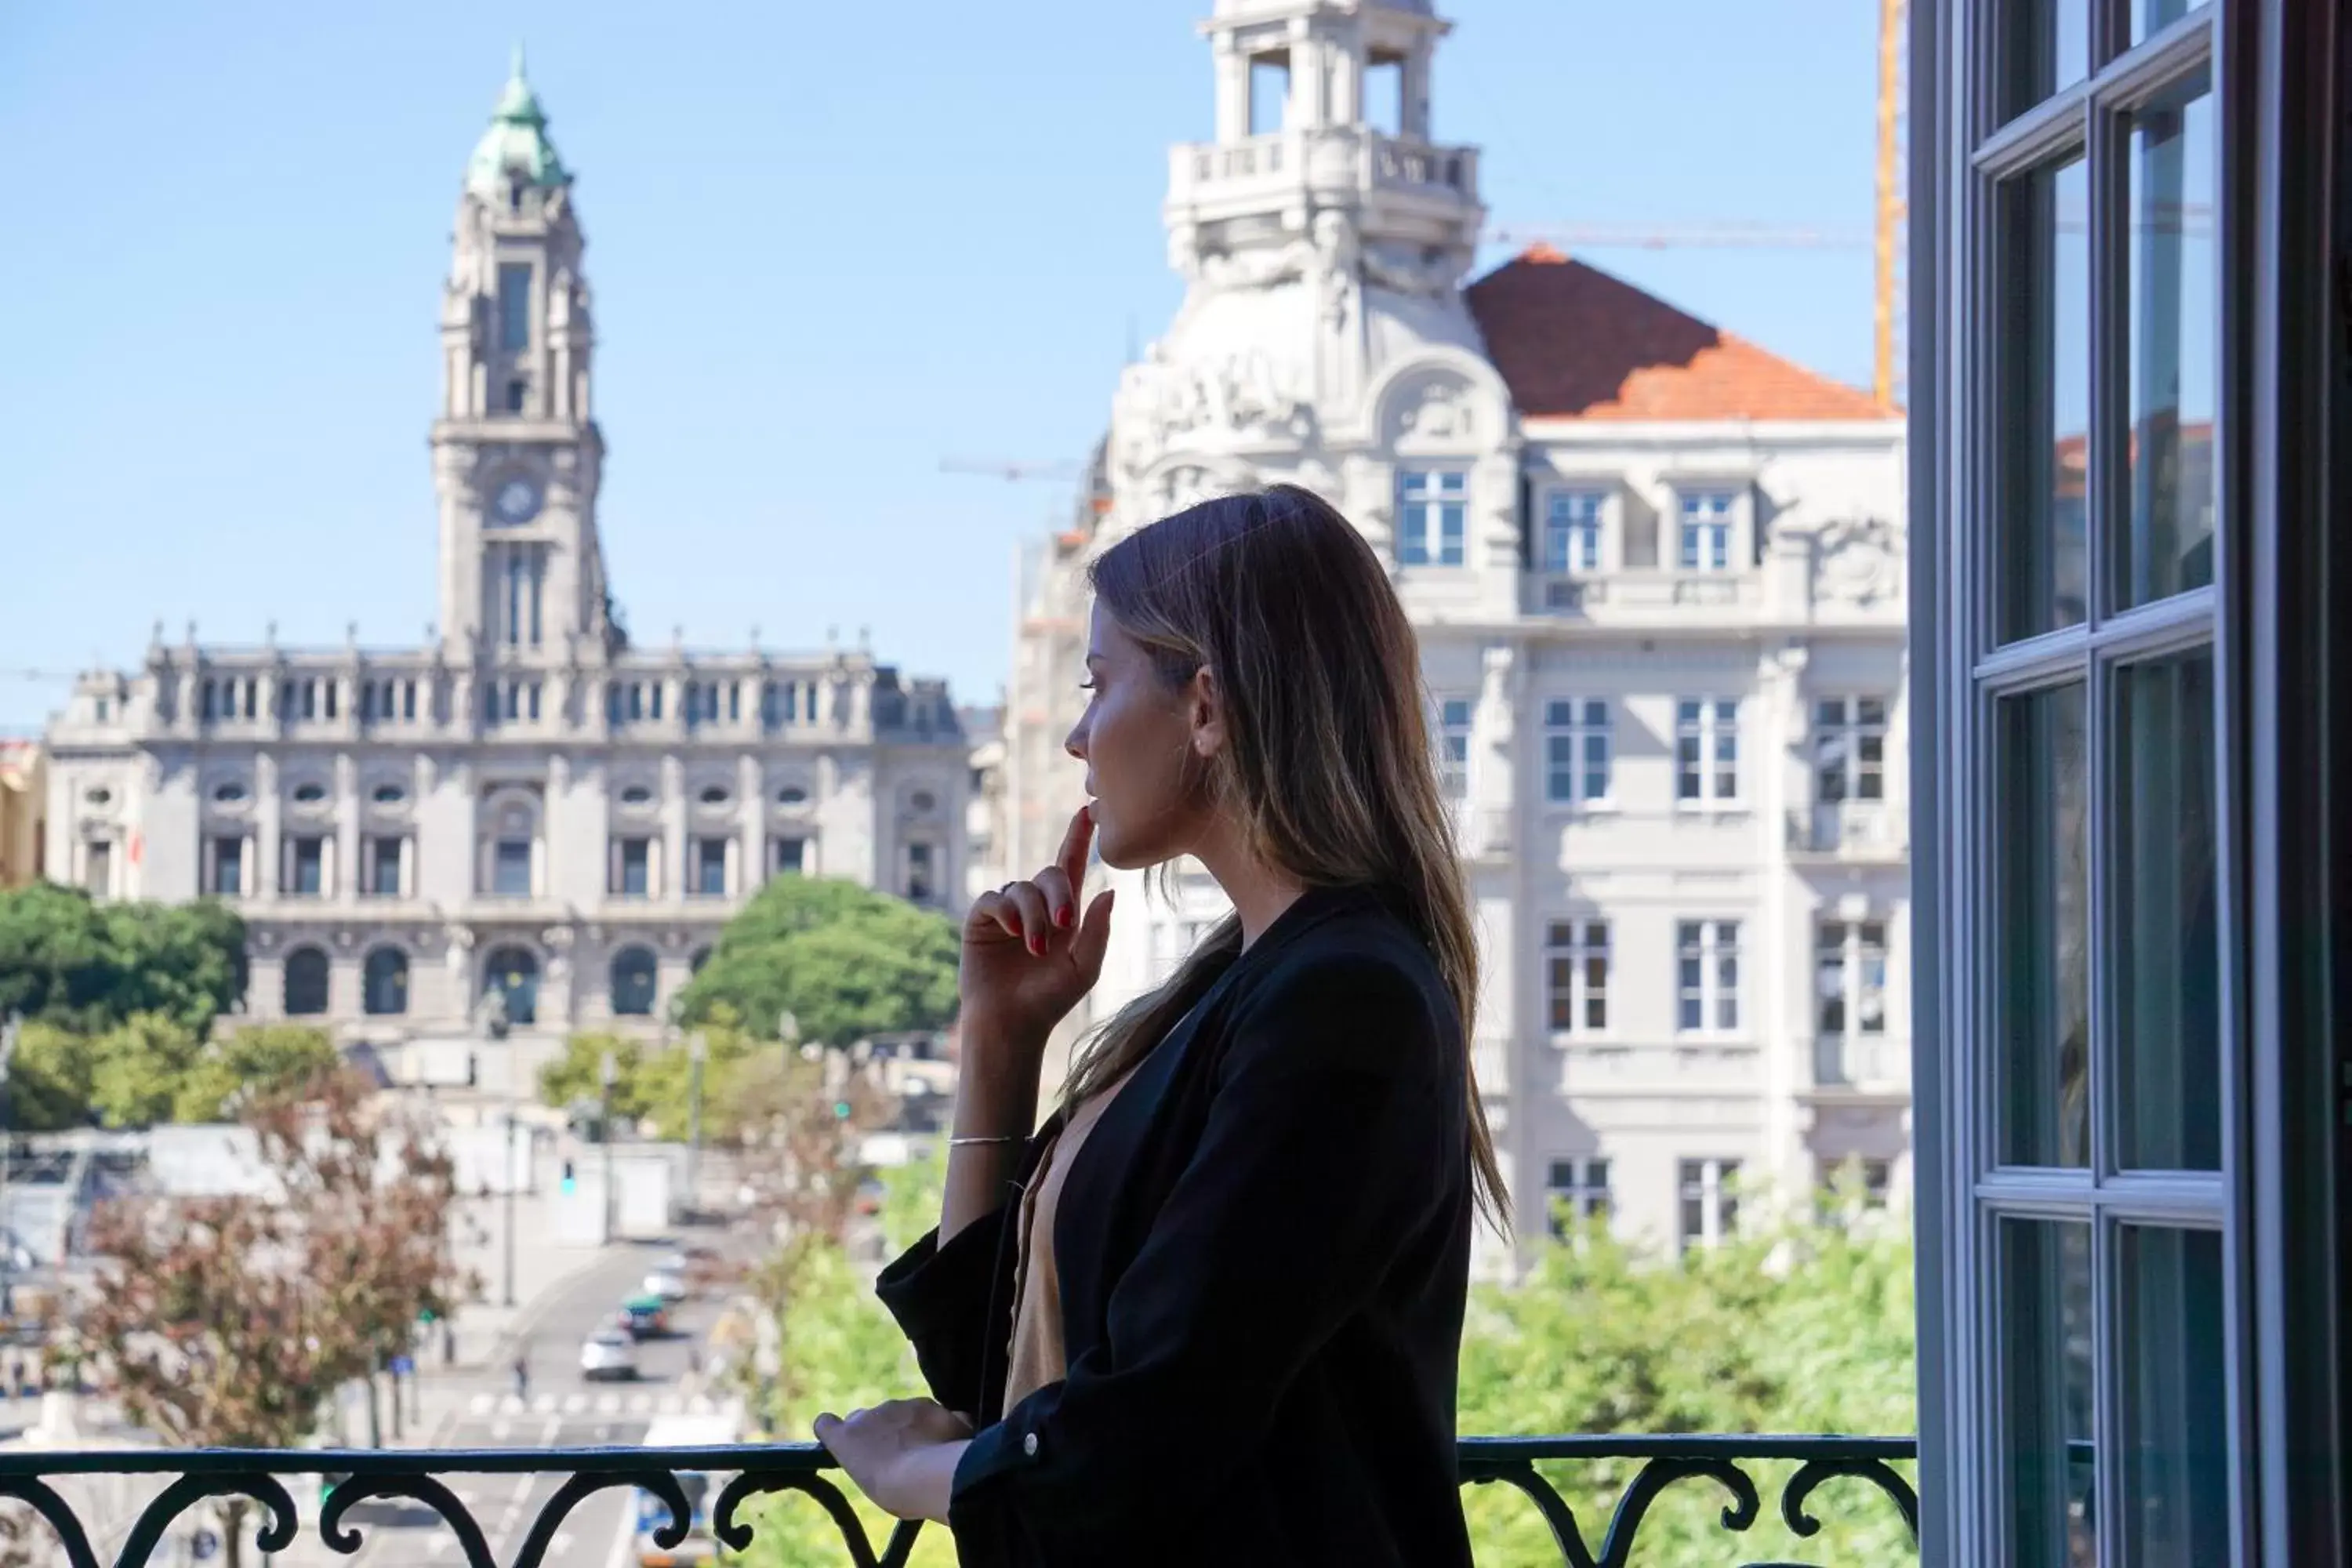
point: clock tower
(516, 452)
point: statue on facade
(1340, 259)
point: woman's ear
(1206, 707)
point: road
(562, 1410)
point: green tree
(578, 1075)
(257, 1061)
(49, 1080)
(68, 960)
(137, 1070)
(847, 963)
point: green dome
(515, 145)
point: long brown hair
(1327, 765)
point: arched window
(306, 983)
(634, 983)
(386, 988)
(513, 972)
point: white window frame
(1848, 943)
(1713, 1182)
(1575, 942)
(1706, 725)
(1575, 530)
(1580, 721)
(1424, 496)
(1453, 714)
(1580, 1186)
(1706, 528)
(1840, 718)
(1712, 943)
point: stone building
(529, 805)
(1658, 576)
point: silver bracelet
(990, 1138)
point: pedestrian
(1217, 1352)
(522, 1375)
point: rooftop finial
(518, 60)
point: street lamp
(609, 1072)
(697, 1049)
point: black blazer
(1264, 1250)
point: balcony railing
(1848, 830)
(256, 1475)
(1867, 1064)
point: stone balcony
(1862, 1067)
(1210, 179)
(1850, 832)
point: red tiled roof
(1573, 342)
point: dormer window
(1432, 512)
(1707, 525)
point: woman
(1211, 1312)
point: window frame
(1701, 720)
(1962, 150)
(1423, 499)
(1589, 938)
(1700, 938)
(1452, 737)
(1559, 558)
(1586, 1191)
(1688, 557)
(1579, 728)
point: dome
(515, 145)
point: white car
(667, 1283)
(609, 1353)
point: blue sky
(831, 245)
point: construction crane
(1011, 472)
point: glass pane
(2175, 294)
(2042, 1009)
(2167, 988)
(2044, 1335)
(2044, 45)
(2041, 353)
(2175, 1447)
(2149, 18)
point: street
(482, 1410)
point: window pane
(2175, 295)
(2044, 1335)
(2042, 1011)
(2040, 346)
(2149, 18)
(2044, 45)
(2165, 951)
(2174, 1446)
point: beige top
(1037, 1356)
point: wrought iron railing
(255, 1475)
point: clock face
(517, 502)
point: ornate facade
(1658, 574)
(529, 813)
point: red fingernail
(1037, 946)
(1062, 919)
(1014, 923)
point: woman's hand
(902, 1454)
(1029, 955)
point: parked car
(609, 1353)
(645, 1316)
(667, 1283)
